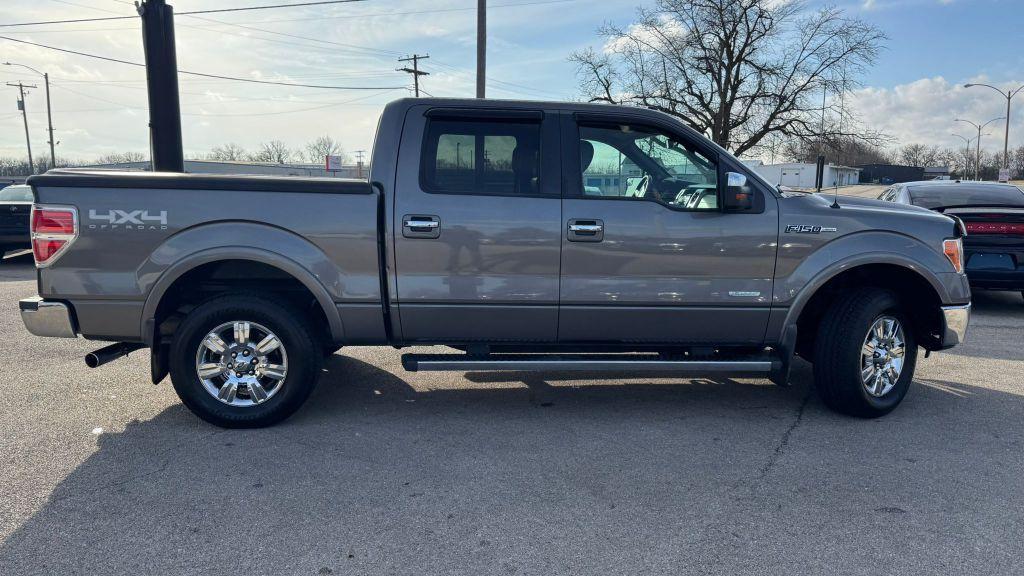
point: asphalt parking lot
(385, 472)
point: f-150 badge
(807, 229)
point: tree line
(273, 151)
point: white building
(802, 174)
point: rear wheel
(865, 354)
(243, 362)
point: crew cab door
(650, 252)
(478, 225)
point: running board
(582, 363)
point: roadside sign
(1004, 174)
(333, 162)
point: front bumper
(954, 324)
(47, 318)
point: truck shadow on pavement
(385, 475)
(18, 269)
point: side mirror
(738, 196)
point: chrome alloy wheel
(881, 357)
(241, 363)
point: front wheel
(243, 362)
(865, 354)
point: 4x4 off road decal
(807, 229)
(128, 220)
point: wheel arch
(179, 270)
(917, 287)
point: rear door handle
(585, 230)
(421, 226)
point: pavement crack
(780, 448)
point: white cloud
(101, 106)
(925, 111)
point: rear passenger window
(500, 158)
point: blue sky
(913, 93)
(956, 39)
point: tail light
(953, 248)
(54, 228)
(995, 228)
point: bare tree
(122, 157)
(919, 155)
(735, 70)
(324, 146)
(845, 149)
(229, 152)
(1017, 162)
(273, 151)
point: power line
(212, 11)
(246, 8)
(316, 18)
(307, 38)
(413, 12)
(201, 74)
(224, 114)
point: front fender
(269, 245)
(795, 289)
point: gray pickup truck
(522, 236)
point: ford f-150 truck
(522, 236)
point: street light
(967, 152)
(49, 116)
(980, 127)
(1006, 136)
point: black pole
(162, 85)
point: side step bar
(583, 363)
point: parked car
(15, 207)
(993, 215)
(475, 231)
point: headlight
(953, 248)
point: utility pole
(415, 70)
(481, 47)
(49, 115)
(819, 176)
(24, 115)
(49, 122)
(359, 163)
(162, 85)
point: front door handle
(585, 230)
(421, 226)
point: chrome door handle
(421, 226)
(422, 223)
(585, 230)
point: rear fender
(275, 247)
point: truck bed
(136, 229)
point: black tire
(837, 353)
(304, 360)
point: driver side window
(632, 162)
